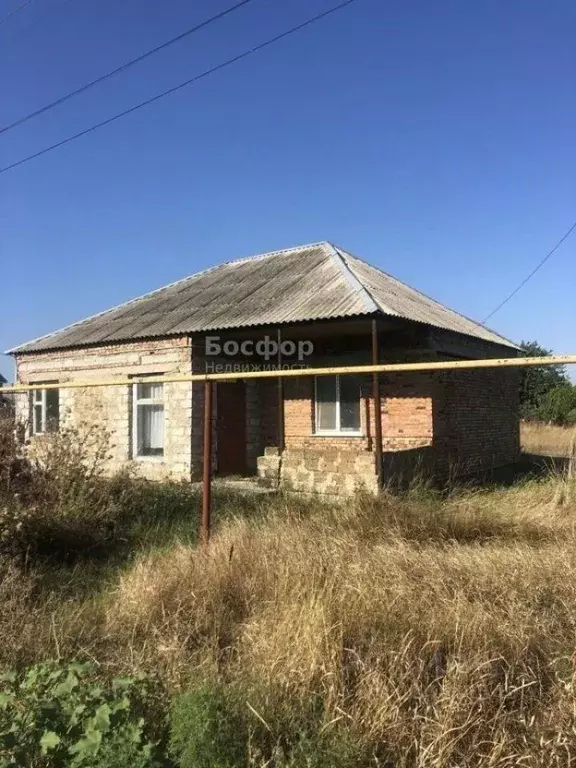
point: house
(314, 305)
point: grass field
(417, 631)
(548, 439)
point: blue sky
(435, 140)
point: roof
(311, 282)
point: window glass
(337, 404)
(326, 403)
(150, 430)
(37, 419)
(52, 410)
(349, 404)
(149, 419)
(45, 410)
(150, 391)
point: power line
(38, 18)
(123, 67)
(14, 11)
(539, 266)
(175, 88)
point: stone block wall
(334, 472)
(111, 407)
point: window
(148, 433)
(337, 405)
(45, 407)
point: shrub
(54, 714)
(54, 498)
(213, 726)
(57, 499)
(207, 730)
(557, 405)
(322, 750)
(14, 469)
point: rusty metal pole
(280, 397)
(377, 405)
(207, 464)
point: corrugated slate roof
(311, 282)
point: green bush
(207, 730)
(537, 381)
(55, 499)
(212, 726)
(56, 714)
(558, 405)
(320, 750)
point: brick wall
(447, 423)
(340, 465)
(407, 413)
(477, 424)
(467, 419)
(110, 407)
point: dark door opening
(231, 428)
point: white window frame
(42, 402)
(136, 401)
(338, 432)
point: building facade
(303, 308)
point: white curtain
(156, 426)
(150, 391)
(150, 428)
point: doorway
(231, 428)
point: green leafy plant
(536, 382)
(213, 726)
(207, 730)
(55, 714)
(559, 405)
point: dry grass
(426, 632)
(547, 439)
(432, 633)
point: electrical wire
(122, 67)
(536, 269)
(14, 11)
(175, 88)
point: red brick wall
(298, 408)
(470, 418)
(408, 402)
(406, 407)
(477, 424)
(299, 420)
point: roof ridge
(477, 325)
(370, 303)
(267, 254)
(146, 295)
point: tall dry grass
(431, 633)
(547, 439)
(421, 631)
